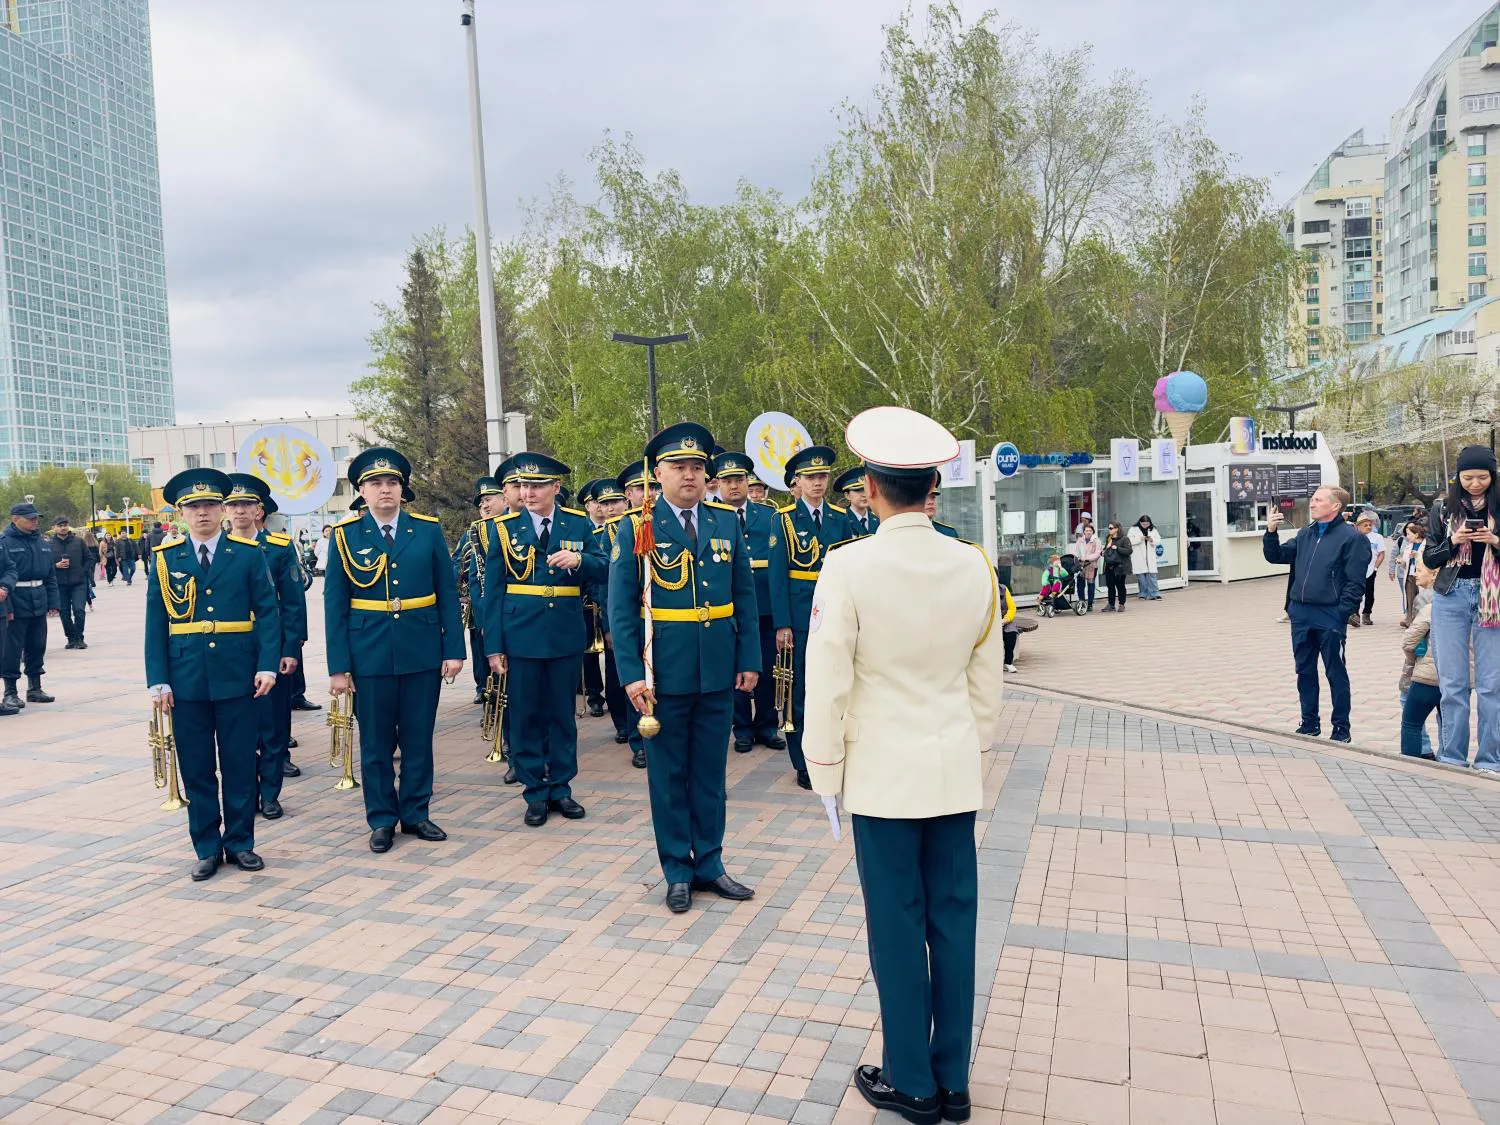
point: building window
(1316, 226)
(1477, 266)
(216, 460)
(1312, 277)
(1476, 290)
(1357, 291)
(1314, 318)
(1358, 333)
(1314, 339)
(1357, 208)
(340, 452)
(1315, 357)
(1478, 103)
(1478, 234)
(192, 461)
(1476, 144)
(1478, 174)
(1477, 207)
(1357, 248)
(1359, 310)
(1312, 299)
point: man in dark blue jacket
(1329, 559)
(32, 599)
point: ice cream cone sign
(1180, 397)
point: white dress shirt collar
(212, 545)
(822, 507)
(394, 523)
(536, 521)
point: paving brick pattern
(1179, 922)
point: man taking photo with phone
(1329, 559)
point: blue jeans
(1417, 702)
(1455, 624)
(1147, 587)
(1085, 588)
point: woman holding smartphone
(1463, 547)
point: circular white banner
(298, 467)
(771, 439)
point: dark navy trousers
(921, 887)
(396, 711)
(755, 712)
(1319, 631)
(273, 716)
(685, 772)
(544, 729)
(214, 736)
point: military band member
(904, 681)
(930, 510)
(473, 544)
(296, 683)
(632, 482)
(850, 484)
(703, 616)
(534, 631)
(213, 644)
(758, 491)
(807, 529)
(593, 616)
(754, 712)
(248, 498)
(610, 502)
(392, 625)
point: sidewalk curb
(1478, 777)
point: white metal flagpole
(488, 338)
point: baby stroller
(1056, 595)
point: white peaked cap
(898, 440)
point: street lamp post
(91, 475)
(650, 343)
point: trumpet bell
(173, 803)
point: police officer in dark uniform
(391, 619)
(213, 644)
(701, 594)
(7, 588)
(754, 712)
(32, 600)
(808, 528)
(247, 503)
(850, 484)
(534, 631)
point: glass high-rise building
(84, 350)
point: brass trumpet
(341, 738)
(492, 723)
(163, 743)
(596, 646)
(783, 675)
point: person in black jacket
(7, 587)
(32, 600)
(129, 553)
(1329, 558)
(70, 559)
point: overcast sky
(304, 142)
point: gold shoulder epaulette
(420, 516)
(845, 542)
(627, 512)
(840, 511)
(506, 516)
(278, 538)
(787, 510)
(242, 539)
(765, 504)
(602, 528)
(347, 520)
(721, 506)
(173, 542)
(574, 512)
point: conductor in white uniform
(904, 667)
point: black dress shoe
(510, 775)
(621, 738)
(271, 809)
(71, 645)
(922, 1111)
(724, 887)
(479, 696)
(81, 643)
(205, 868)
(291, 769)
(292, 744)
(1310, 728)
(596, 709)
(536, 814)
(679, 897)
(37, 695)
(302, 703)
(381, 839)
(803, 780)
(743, 745)
(424, 830)
(638, 758)
(954, 1104)
(774, 741)
(570, 808)
(246, 861)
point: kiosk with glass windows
(1023, 518)
(1230, 494)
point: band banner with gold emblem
(770, 441)
(296, 465)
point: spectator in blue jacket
(1329, 558)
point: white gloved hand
(831, 806)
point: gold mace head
(649, 726)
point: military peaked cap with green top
(526, 466)
(813, 459)
(685, 441)
(486, 486)
(632, 475)
(730, 464)
(195, 486)
(850, 480)
(247, 489)
(378, 461)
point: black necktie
(203, 556)
(687, 526)
(818, 519)
(390, 540)
(742, 521)
(546, 536)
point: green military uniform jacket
(207, 635)
(795, 565)
(390, 612)
(291, 597)
(704, 611)
(533, 610)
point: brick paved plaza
(1181, 922)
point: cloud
(304, 142)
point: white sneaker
(1011, 668)
(1283, 619)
